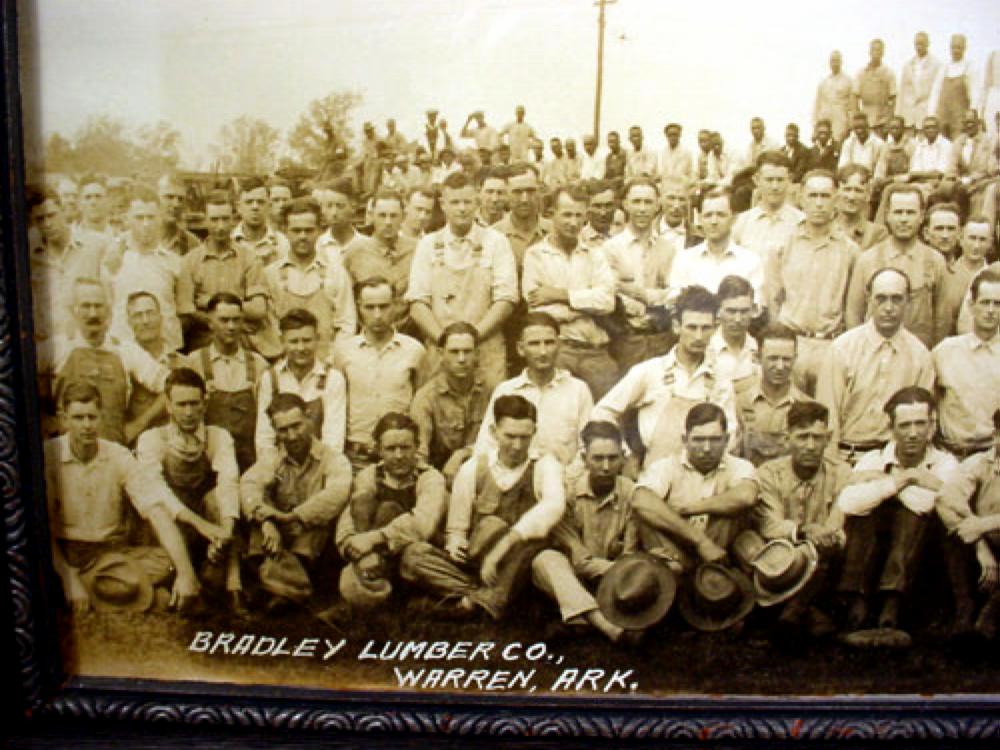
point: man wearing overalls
(660, 391)
(231, 373)
(301, 372)
(394, 503)
(291, 498)
(464, 272)
(92, 356)
(502, 508)
(198, 463)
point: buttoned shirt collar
(318, 369)
(315, 453)
(212, 251)
(686, 463)
(877, 339)
(755, 393)
(364, 343)
(704, 251)
(670, 363)
(584, 490)
(444, 387)
(975, 343)
(67, 456)
(214, 354)
(523, 381)
(317, 263)
(474, 236)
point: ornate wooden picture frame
(605, 703)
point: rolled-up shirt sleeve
(504, 271)
(421, 271)
(340, 295)
(334, 410)
(222, 454)
(770, 509)
(550, 505)
(955, 501)
(463, 492)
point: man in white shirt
(932, 152)
(915, 82)
(503, 506)
(767, 227)
(893, 489)
(592, 160)
(675, 160)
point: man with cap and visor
(395, 502)
(291, 498)
(598, 533)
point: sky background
(200, 64)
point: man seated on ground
(503, 507)
(232, 372)
(449, 408)
(797, 495)
(731, 346)
(291, 499)
(968, 373)
(969, 509)
(563, 402)
(887, 504)
(598, 528)
(574, 284)
(394, 503)
(198, 463)
(85, 478)
(692, 505)
(866, 365)
(301, 372)
(763, 401)
(662, 390)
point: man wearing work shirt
(767, 226)
(853, 195)
(524, 225)
(254, 234)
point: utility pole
(600, 65)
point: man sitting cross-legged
(503, 506)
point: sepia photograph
(522, 349)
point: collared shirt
(85, 498)
(519, 135)
(754, 149)
(699, 265)
(321, 382)
(763, 423)
(487, 247)
(588, 279)
(677, 162)
(447, 421)
(598, 527)
(807, 301)
(861, 371)
(734, 364)
(215, 442)
(272, 245)
(915, 82)
(555, 172)
(592, 167)
(865, 234)
(968, 381)
(138, 363)
(975, 157)
(205, 271)
(862, 497)
(322, 287)
(157, 272)
(642, 163)
(362, 260)
(416, 525)
(646, 262)
(677, 481)
(923, 266)
(519, 239)
(535, 523)
(974, 489)
(833, 98)
(765, 232)
(788, 502)
(229, 371)
(564, 405)
(874, 87)
(332, 250)
(316, 490)
(932, 157)
(650, 386)
(379, 380)
(954, 289)
(853, 151)
(52, 277)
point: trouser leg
(552, 573)
(430, 568)
(859, 557)
(905, 546)
(512, 575)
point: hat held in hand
(636, 592)
(116, 584)
(780, 568)
(716, 597)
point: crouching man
(503, 506)
(970, 509)
(797, 496)
(198, 463)
(395, 502)
(598, 529)
(291, 499)
(93, 552)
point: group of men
(786, 405)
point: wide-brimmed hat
(361, 592)
(636, 592)
(284, 575)
(716, 597)
(116, 584)
(780, 568)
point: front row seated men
(87, 478)
(503, 506)
(291, 497)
